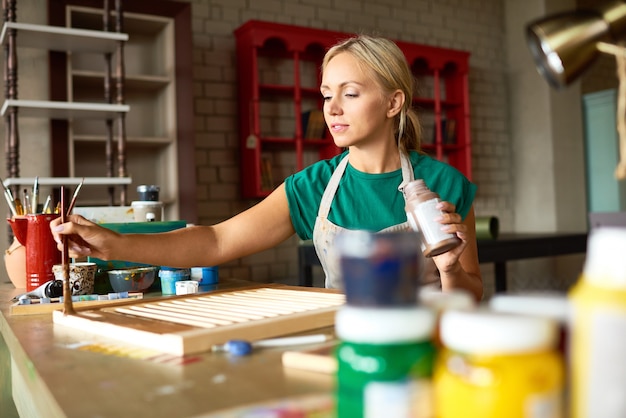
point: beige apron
(324, 231)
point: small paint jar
(497, 365)
(169, 276)
(205, 275)
(186, 287)
(380, 269)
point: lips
(338, 127)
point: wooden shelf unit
(278, 74)
(159, 144)
(16, 35)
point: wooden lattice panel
(194, 323)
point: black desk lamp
(564, 45)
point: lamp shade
(564, 45)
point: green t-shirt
(370, 201)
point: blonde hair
(387, 63)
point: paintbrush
(35, 202)
(26, 202)
(46, 205)
(68, 307)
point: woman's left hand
(452, 223)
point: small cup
(147, 211)
(82, 277)
(186, 287)
(205, 275)
(169, 277)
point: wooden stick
(68, 307)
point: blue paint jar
(380, 270)
(169, 276)
(204, 275)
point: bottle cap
(387, 325)
(605, 264)
(548, 305)
(440, 301)
(148, 192)
(493, 333)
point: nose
(332, 106)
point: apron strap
(407, 170)
(331, 188)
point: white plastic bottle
(421, 211)
(598, 329)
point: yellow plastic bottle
(497, 365)
(598, 329)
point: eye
(352, 95)
(327, 98)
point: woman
(367, 89)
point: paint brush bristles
(46, 205)
(73, 202)
(35, 202)
(9, 197)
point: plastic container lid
(380, 326)
(443, 300)
(548, 305)
(605, 264)
(493, 333)
(169, 272)
(147, 188)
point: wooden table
(51, 380)
(506, 247)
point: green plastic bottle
(385, 362)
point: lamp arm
(620, 58)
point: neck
(377, 161)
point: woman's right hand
(85, 238)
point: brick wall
(475, 26)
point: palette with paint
(39, 306)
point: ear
(396, 101)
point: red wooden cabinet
(280, 130)
(442, 102)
